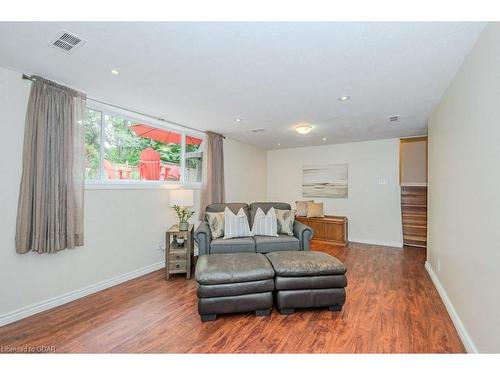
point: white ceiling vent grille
(393, 118)
(67, 42)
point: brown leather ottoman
(308, 279)
(234, 282)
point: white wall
(122, 227)
(373, 205)
(245, 172)
(464, 188)
(414, 162)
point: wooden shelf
(414, 215)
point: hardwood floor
(392, 307)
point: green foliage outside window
(123, 146)
(92, 143)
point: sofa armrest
(303, 233)
(203, 237)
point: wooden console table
(329, 229)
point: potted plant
(180, 199)
(183, 214)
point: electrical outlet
(438, 265)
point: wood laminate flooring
(392, 307)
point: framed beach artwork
(324, 181)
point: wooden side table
(178, 257)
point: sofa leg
(287, 311)
(335, 308)
(208, 317)
(263, 312)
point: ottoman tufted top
(305, 263)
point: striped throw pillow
(236, 225)
(265, 224)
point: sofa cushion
(302, 207)
(236, 225)
(216, 222)
(315, 209)
(305, 263)
(233, 245)
(232, 268)
(265, 206)
(285, 220)
(265, 224)
(265, 244)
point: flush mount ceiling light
(238, 119)
(303, 129)
(279, 144)
(324, 138)
(344, 98)
(115, 72)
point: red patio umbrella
(160, 135)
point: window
(92, 144)
(118, 148)
(193, 159)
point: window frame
(104, 184)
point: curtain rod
(30, 78)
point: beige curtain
(213, 172)
(50, 207)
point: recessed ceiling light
(324, 138)
(238, 119)
(303, 129)
(115, 72)
(344, 98)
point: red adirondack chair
(149, 164)
(108, 168)
(172, 173)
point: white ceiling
(272, 75)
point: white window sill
(138, 185)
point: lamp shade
(181, 197)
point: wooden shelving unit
(414, 215)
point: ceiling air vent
(67, 42)
(393, 118)
(258, 130)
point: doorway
(413, 182)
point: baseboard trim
(455, 318)
(71, 296)
(377, 242)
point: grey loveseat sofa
(302, 234)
